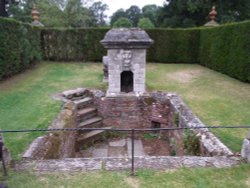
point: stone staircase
(87, 117)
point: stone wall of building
(120, 60)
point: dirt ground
(156, 147)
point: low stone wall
(55, 145)
(157, 163)
(155, 109)
(210, 144)
(5, 153)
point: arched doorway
(127, 81)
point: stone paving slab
(117, 152)
(139, 151)
(100, 153)
(118, 143)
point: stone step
(82, 103)
(86, 113)
(70, 94)
(85, 140)
(90, 122)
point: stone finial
(36, 17)
(212, 16)
(35, 14)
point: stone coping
(128, 38)
(116, 164)
(212, 144)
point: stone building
(126, 60)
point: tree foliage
(120, 13)
(151, 12)
(62, 13)
(188, 13)
(77, 15)
(145, 23)
(98, 9)
(134, 14)
(123, 22)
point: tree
(120, 13)
(187, 13)
(151, 12)
(50, 10)
(145, 23)
(98, 9)
(52, 15)
(3, 11)
(77, 15)
(55, 13)
(134, 14)
(123, 22)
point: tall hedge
(171, 45)
(19, 47)
(227, 49)
(174, 45)
(73, 44)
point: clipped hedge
(19, 47)
(170, 45)
(73, 44)
(227, 49)
(174, 45)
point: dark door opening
(155, 125)
(127, 81)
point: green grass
(26, 102)
(195, 178)
(216, 99)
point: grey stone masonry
(245, 151)
(126, 60)
(56, 145)
(211, 145)
(110, 163)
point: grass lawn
(26, 102)
(237, 177)
(216, 99)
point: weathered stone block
(245, 151)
